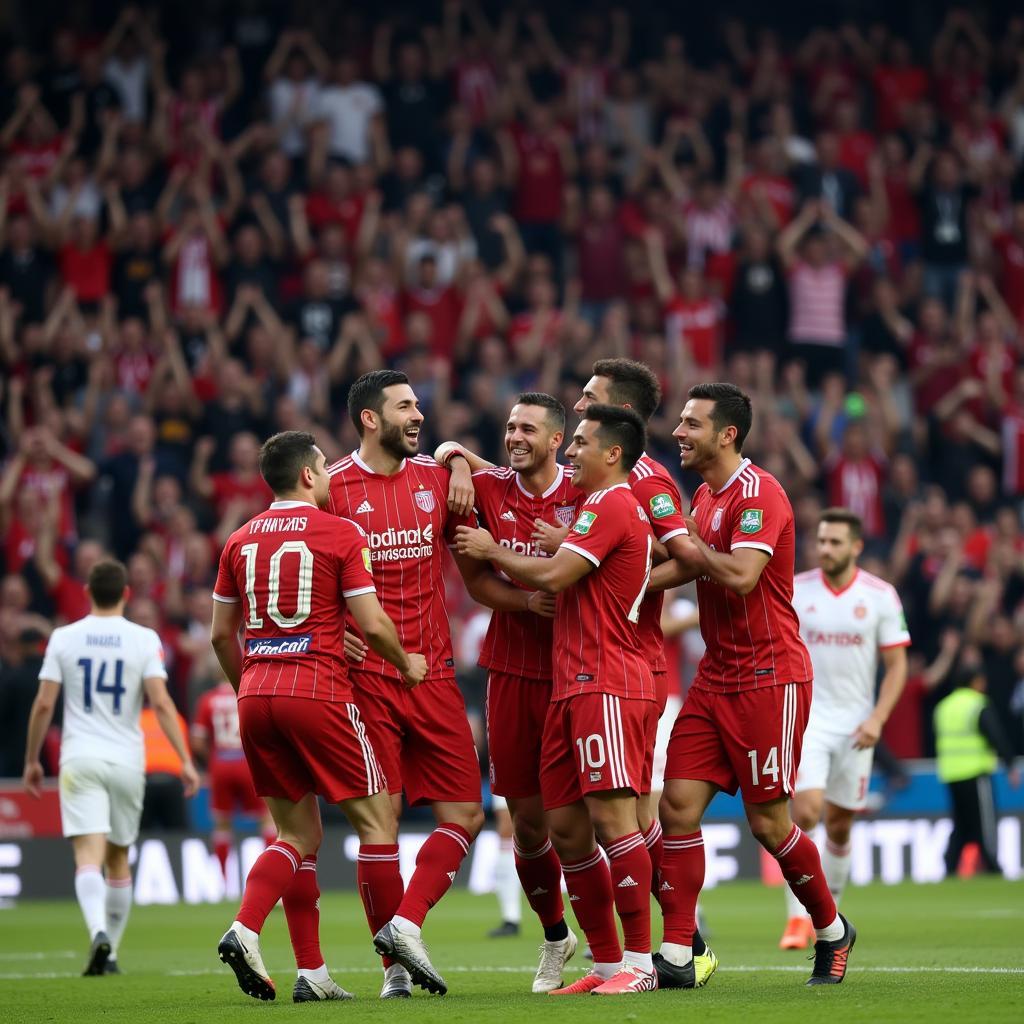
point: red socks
(271, 875)
(540, 875)
(682, 877)
(801, 867)
(631, 883)
(436, 865)
(221, 849)
(380, 885)
(590, 892)
(655, 843)
(302, 911)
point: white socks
(319, 974)
(606, 971)
(641, 960)
(836, 862)
(91, 891)
(676, 954)
(794, 908)
(407, 927)
(119, 903)
(506, 883)
(833, 933)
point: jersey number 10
(99, 684)
(304, 597)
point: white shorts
(498, 803)
(830, 761)
(101, 798)
(665, 723)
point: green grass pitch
(949, 952)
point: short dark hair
(107, 581)
(633, 384)
(844, 515)
(732, 408)
(556, 411)
(621, 426)
(283, 456)
(368, 393)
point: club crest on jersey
(662, 505)
(278, 645)
(584, 522)
(367, 562)
(565, 513)
(860, 611)
(752, 520)
(716, 519)
(425, 500)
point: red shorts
(295, 746)
(231, 789)
(594, 743)
(422, 738)
(749, 740)
(516, 710)
(661, 690)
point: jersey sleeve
(356, 568)
(226, 587)
(50, 668)
(598, 530)
(661, 500)
(892, 623)
(453, 521)
(759, 521)
(153, 663)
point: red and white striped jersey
(292, 567)
(407, 524)
(519, 643)
(216, 719)
(597, 643)
(752, 641)
(653, 486)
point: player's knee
(528, 834)
(678, 818)
(768, 831)
(470, 817)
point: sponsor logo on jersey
(523, 547)
(565, 513)
(367, 561)
(278, 645)
(751, 520)
(584, 522)
(818, 636)
(662, 505)
(716, 519)
(425, 500)
(363, 508)
(393, 545)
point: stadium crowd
(209, 229)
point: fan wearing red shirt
(216, 738)
(603, 716)
(422, 736)
(441, 304)
(742, 722)
(1010, 248)
(288, 576)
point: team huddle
(329, 622)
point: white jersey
(844, 631)
(101, 661)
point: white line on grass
(529, 969)
(62, 954)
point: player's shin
(540, 875)
(682, 877)
(654, 840)
(437, 864)
(800, 862)
(268, 880)
(380, 885)
(630, 868)
(593, 902)
(836, 861)
(119, 905)
(302, 911)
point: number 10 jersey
(293, 567)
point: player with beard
(422, 736)
(517, 653)
(742, 723)
(603, 710)
(632, 385)
(848, 618)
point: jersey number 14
(100, 684)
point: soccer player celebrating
(847, 619)
(422, 736)
(517, 654)
(288, 576)
(217, 740)
(601, 722)
(105, 664)
(743, 719)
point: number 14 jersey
(293, 567)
